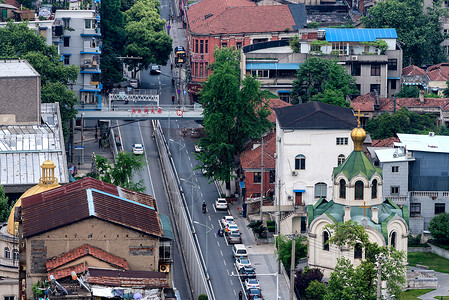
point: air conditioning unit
(395, 154)
(290, 198)
(354, 57)
(431, 133)
(294, 173)
(164, 268)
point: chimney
(421, 96)
(347, 216)
(375, 214)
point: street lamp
(208, 229)
(194, 185)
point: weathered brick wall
(38, 257)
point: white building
(311, 139)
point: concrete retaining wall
(439, 251)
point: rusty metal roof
(89, 198)
(142, 279)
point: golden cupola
(47, 181)
(358, 135)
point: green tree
(439, 228)
(408, 91)
(232, 116)
(284, 250)
(121, 172)
(304, 278)
(321, 79)
(446, 90)
(316, 290)
(419, 33)
(5, 207)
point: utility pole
(379, 277)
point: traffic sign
(179, 112)
(78, 148)
(168, 27)
(184, 92)
(178, 91)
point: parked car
(155, 70)
(234, 237)
(231, 227)
(242, 262)
(254, 294)
(221, 203)
(134, 83)
(137, 149)
(239, 251)
(247, 272)
(252, 283)
(227, 220)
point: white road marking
(221, 252)
(146, 159)
(212, 225)
(225, 264)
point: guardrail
(194, 260)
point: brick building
(235, 23)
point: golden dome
(47, 182)
(358, 136)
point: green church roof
(356, 163)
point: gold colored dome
(358, 136)
(47, 182)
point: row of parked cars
(246, 271)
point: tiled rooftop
(251, 158)
(276, 103)
(388, 142)
(413, 71)
(124, 279)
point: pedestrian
(99, 143)
(173, 100)
(240, 295)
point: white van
(239, 250)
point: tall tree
(5, 207)
(232, 116)
(419, 33)
(321, 79)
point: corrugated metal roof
(119, 278)
(359, 34)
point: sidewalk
(263, 258)
(442, 290)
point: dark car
(254, 294)
(247, 272)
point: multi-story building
(235, 23)
(276, 64)
(311, 139)
(77, 34)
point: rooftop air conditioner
(354, 57)
(294, 173)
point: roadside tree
(439, 229)
(284, 250)
(232, 116)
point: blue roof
(359, 34)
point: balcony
(89, 64)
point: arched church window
(320, 190)
(374, 189)
(7, 253)
(342, 189)
(325, 240)
(300, 162)
(358, 250)
(393, 240)
(15, 254)
(341, 159)
(359, 190)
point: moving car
(234, 237)
(221, 203)
(242, 262)
(137, 149)
(227, 220)
(134, 83)
(247, 272)
(254, 294)
(252, 283)
(155, 70)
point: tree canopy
(419, 33)
(5, 207)
(232, 116)
(323, 80)
(439, 228)
(284, 251)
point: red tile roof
(237, 16)
(413, 71)
(125, 279)
(388, 142)
(84, 250)
(439, 72)
(79, 268)
(364, 102)
(387, 104)
(275, 103)
(88, 198)
(13, 3)
(251, 158)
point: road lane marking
(225, 264)
(212, 225)
(221, 252)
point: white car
(242, 262)
(227, 220)
(252, 283)
(231, 227)
(198, 149)
(221, 203)
(137, 149)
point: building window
(374, 88)
(394, 169)
(8, 298)
(7, 253)
(66, 60)
(165, 250)
(300, 162)
(196, 46)
(320, 190)
(66, 41)
(358, 87)
(415, 209)
(392, 64)
(393, 84)
(201, 46)
(325, 241)
(272, 176)
(89, 23)
(342, 141)
(375, 70)
(342, 189)
(339, 48)
(206, 46)
(255, 41)
(224, 44)
(341, 159)
(196, 69)
(359, 190)
(201, 69)
(260, 73)
(15, 254)
(356, 70)
(284, 97)
(206, 70)
(358, 250)
(394, 190)
(257, 177)
(239, 45)
(66, 22)
(374, 189)
(393, 240)
(440, 208)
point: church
(356, 196)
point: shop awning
(272, 66)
